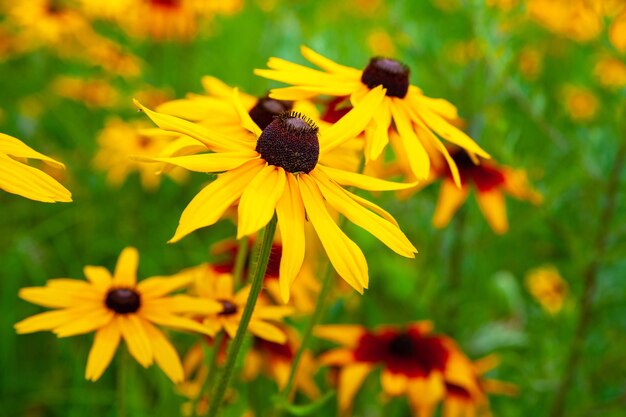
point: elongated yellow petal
(184, 304)
(290, 212)
(195, 109)
(208, 205)
(361, 181)
(393, 384)
(386, 232)
(258, 201)
(415, 152)
(327, 64)
(246, 120)
(296, 74)
(159, 286)
(353, 123)
(344, 254)
(61, 297)
(267, 331)
(104, 346)
(136, 339)
(15, 147)
(206, 162)
(21, 179)
(164, 353)
(47, 321)
(449, 201)
(86, 323)
(426, 135)
(213, 140)
(263, 312)
(376, 209)
(438, 105)
(492, 205)
(99, 276)
(337, 357)
(303, 92)
(380, 135)
(167, 319)
(344, 334)
(351, 378)
(125, 274)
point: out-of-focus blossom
(580, 103)
(580, 20)
(92, 92)
(504, 5)
(120, 142)
(547, 286)
(380, 43)
(427, 368)
(463, 52)
(610, 72)
(530, 62)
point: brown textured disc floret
(123, 300)
(266, 109)
(228, 308)
(389, 73)
(290, 142)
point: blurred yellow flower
(530, 62)
(279, 170)
(617, 32)
(427, 368)
(120, 142)
(418, 119)
(610, 72)
(504, 5)
(380, 43)
(116, 307)
(547, 286)
(580, 103)
(17, 177)
(92, 92)
(580, 20)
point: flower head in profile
(427, 368)
(490, 181)
(547, 286)
(116, 307)
(278, 170)
(418, 119)
(19, 178)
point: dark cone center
(290, 141)
(228, 308)
(389, 73)
(266, 109)
(402, 346)
(123, 300)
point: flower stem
(122, 377)
(589, 284)
(235, 346)
(211, 363)
(240, 261)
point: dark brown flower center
(389, 73)
(402, 346)
(266, 109)
(228, 308)
(123, 300)
(290, 141)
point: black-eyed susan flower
(418, 119)
(427, 368)
(491, 182)
(18, 178)
(119, 140)
(580, 103)
(211, 284)
(116, 307)
(279, 170)
(547, 286)
(610, 72)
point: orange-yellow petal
(258, 201)
(492, 205)
(450, 199)
(104, 346)
(125, 274)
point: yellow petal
(176, 322)
(492, 205)
(290, 212)
(206, 162)
(415, 152)
(327, 64)
(394, 384)
(99, 276)
(353, 123)
(59, 297)
(304, 92)
(86, 323)
(15, 147)
(213, 140)
(380, 135)
(21, 179)
(267, 331)
(386, 232)
(351, 378)
(449, 201)
(159, 286)
(344, 254)
(276, 313)
(164, 353)
(194, 109)
(46, 321)
(426, 135)
(364, 182)
(244, 116)
(125, 274)
(136, 338)
(258, 201)
(438, 105)
(336, 357)
(208, 205)
(344, 334)
(104, 346)
(424, 393)
(183, 304)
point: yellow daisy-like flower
(210, 284)
(278, 170)
(580, 103)
(116, 307)
(418, 119)
(547, 287)
(94, 92)
(21, 179)
(610, 72)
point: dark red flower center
(167, 4)
(336, 109)
(391, 74)
(227, 266)
(228, 308)
(267, 109)
(123, 300)
(485, 177)
(283, 351)
(408, 352)
(290, 141)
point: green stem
(211, 363)
(240, 260)
(235, 346)
(122, 377)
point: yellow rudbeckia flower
(19, 178)
(278, 170)
(418, 119)
(116, 307)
